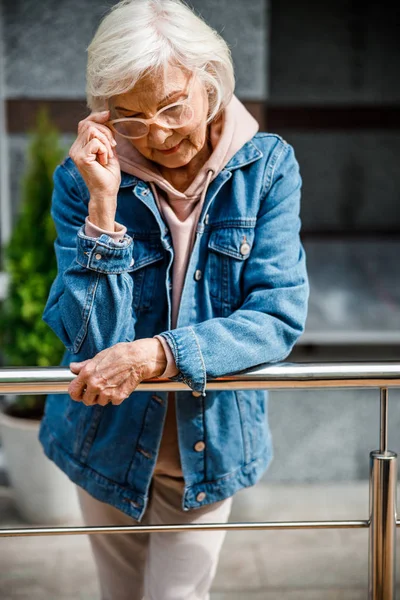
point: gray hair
(141, 36)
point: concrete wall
(340, 53)
(46, 44)
(327, 435)
(334, 52)
(351, 180)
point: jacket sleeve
(266, 326)
(90, 301)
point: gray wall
(335, 52)
(340, 53)
(351, 180)
(46, 44)
(327, 435)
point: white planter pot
(43, 493)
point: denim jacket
(243, 304)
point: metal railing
(382, 520)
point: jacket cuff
(171, 369)
(188, 357)
(93, 231)
(103, 254)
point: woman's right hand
(93, 153)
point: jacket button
(244, 248)
(132, 262)
(196, 394)
(98, 257)
(199, 446)
(198, 275)
(200, 497)
(206, 219)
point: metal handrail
(383, 463)
(39, 380)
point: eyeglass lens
(174, 117)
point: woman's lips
(172, 150)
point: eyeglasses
(173, 116)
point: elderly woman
(179, 257)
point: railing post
(382, 505)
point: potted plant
(43, 493)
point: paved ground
(286, 565)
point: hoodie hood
(228, 134)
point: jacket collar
(247, 154)
(127, 179)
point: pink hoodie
(181, 211)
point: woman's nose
(157, 135)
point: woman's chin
(173, 161)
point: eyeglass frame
(152, 120)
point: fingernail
(114, 143)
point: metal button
(199, 446)
(244, 248)
(98, 257)
(198, 275)
(132, 262)
(200, 497)
(196, 394)
(206, 219)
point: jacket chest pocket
(229, 248)
(146, 272)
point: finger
(76, 367)
(76, 388)
(75, 150)
(98, 117)
(103, 400)
(90, 396)
(118, 401)
(94, 132)
(95, 400)
(109, 395)
(95, 150)
(103, 128)
(101, 116)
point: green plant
(31, 266)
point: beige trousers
(156, 566)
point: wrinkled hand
(113, 374)
(94, 155)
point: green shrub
(30, 261)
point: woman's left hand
(113, 374)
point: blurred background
(324, 76)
